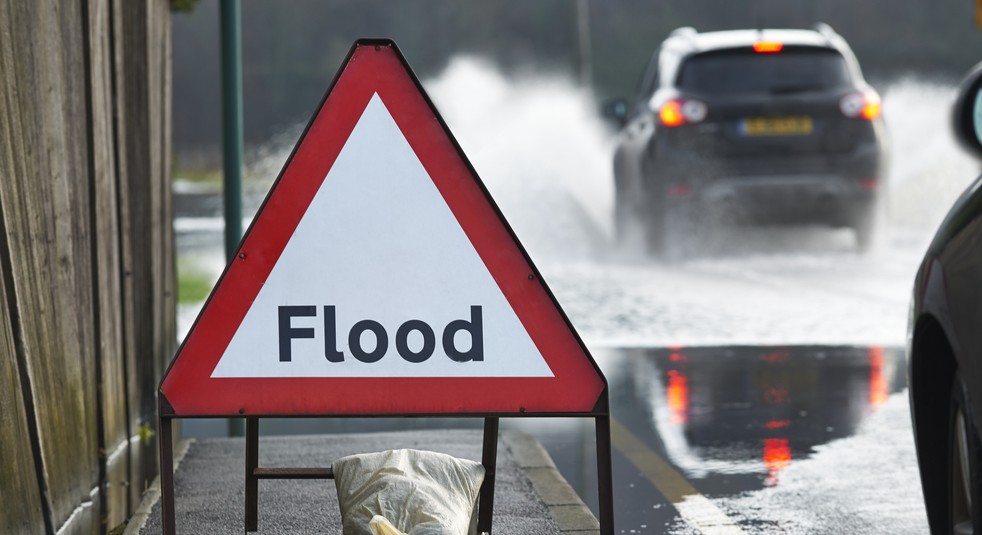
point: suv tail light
(864, 105)
(677, 112)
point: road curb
(565, 506)
(139, 519)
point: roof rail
(825, 30)
(684, 31)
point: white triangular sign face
(379, 280)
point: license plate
(777, 126)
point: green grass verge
(212, 177)
(194, 282)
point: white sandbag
(415, 492)
(381, 526)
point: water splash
(540, 147)
(539, 144)
(927, 168)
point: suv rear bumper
(839, 190)
(788, 199)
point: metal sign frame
(600, 411)
(254, 472)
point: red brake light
(671, 113)
(768, 47)
(871, 110)
(864, 105)
(679, 112)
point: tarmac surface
(531, 497)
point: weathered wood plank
(136, 211)
(105, 258)
(133, 352)
(147, 243)
(168, 259)
(131, 355)
(46, 214)
(17, 473)
(87, 247)
(18, 470)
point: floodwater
(765, 371)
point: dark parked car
(758, 126)
(945, 347)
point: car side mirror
(615, 109)
(966, 116)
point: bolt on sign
(379, 278)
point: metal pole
(231, 31)
(489, 459)
(251, 482)
(165, 438)
(605, 486)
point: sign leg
(251, 481)
(166, 445)
(490, 460)
(605, 483)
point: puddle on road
(732, 418)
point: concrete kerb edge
(139, 519)
(565, 506)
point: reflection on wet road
(744, 413)
(693, 425)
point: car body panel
(947, 297)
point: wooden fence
(87, 290)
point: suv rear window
(792, 70)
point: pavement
(531, 497)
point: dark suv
(757, 126)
